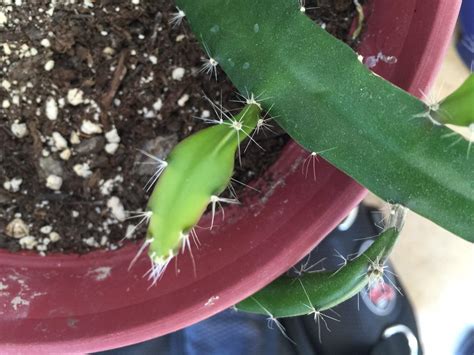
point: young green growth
(458, 108)
(197, 171)
(320, 291)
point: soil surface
(85, 84)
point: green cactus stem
(197, 171)
(458, 108)
(316, 292)
(328, 101)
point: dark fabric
(394, 345)
(467, 344)
(466, 41)
(227, 333)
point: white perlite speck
(59, 141)
(74, 138)
(42, 247)
(54, 182)
(157, 105)
(116, 208)
(75, 97)
(90, 242)
(13, 185)
(153, 59)
(54, 237)
(17, 229)
(111, 148)
(182, 101)
(6, 84)
(3, 19)
(82, 170)
(49, 65)
(45, 43)
(65, 154)
(89, 127)
(178, 74)
(6, 49)
(106, 187)
(112, 136)
(108, 51)
(46, 229)
(51, 108)
(28, 242)
(18, 129)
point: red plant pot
(70, 303)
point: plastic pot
(70, 303)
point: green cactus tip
(195, 173)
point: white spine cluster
(177, 17)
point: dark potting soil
(84, 84)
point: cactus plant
(320, 291)
(388, 140)
(196, 172)
(383, 137)
(458, 108)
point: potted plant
(242, 257)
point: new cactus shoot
(197, 171)
(458, 108)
